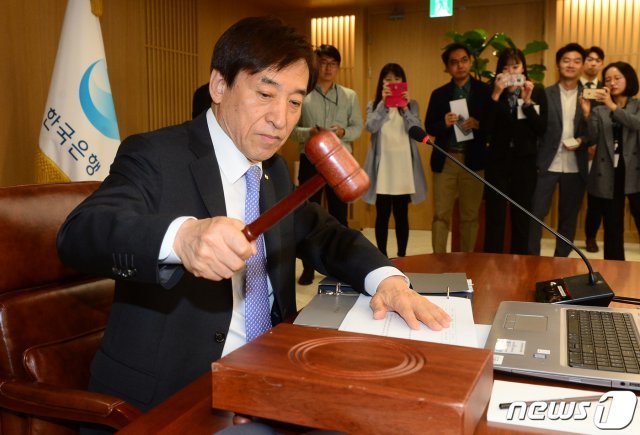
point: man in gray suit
(562, 157)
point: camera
(589, 93)
(515, 80)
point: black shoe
(592, 246)
(307, 277)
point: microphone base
(575, 290)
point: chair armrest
(44, 400)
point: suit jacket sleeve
(434, 120)
(353, 129)
(117, 232)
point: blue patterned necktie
(257, 315)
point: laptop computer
(586, 345)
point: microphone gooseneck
(419, 135)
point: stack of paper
(461, 332)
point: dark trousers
(400, 206)
(572, 189)
(517, 178)
(613, 218)
(337, 208)
(594, 216)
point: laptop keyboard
(603, 340)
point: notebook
(434, 284)
(586, 345)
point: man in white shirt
(562, 158)
(329, 106)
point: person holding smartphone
(517, 117)
(393, 161)
(615, 126)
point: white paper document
(461, 332)
(569, 415)
(460, 108)
(482, 331)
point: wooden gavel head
(337, 166)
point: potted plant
(478, 40)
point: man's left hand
(394, 294)
(339, 131)
(471, 123)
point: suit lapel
(577, 118)
(607, 131)
(205, 169)
(556, 104)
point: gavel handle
(285, 206)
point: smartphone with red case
(396, 99)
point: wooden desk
(496, 277)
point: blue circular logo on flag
(96, 99)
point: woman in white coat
(393, 161)
(614, 125)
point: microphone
(587, 289)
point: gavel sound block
(355, 383)
(335, 165)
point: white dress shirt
(565, 160)
(233, 165)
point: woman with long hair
(516, 118)
(614, 126)
(393, 161)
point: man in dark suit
(562, 157)
(450, 181)
(167, 221)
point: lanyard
(327, 98)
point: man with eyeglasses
(328, 106)
(449, 180)
(562, 156)
(593, 64)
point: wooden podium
(355, 383)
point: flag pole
(79, 134)
(96, 8)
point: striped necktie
(257, 307)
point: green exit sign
(440, 8)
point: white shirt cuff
(375, 277)
(167, 255)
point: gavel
(335, 166)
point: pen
(448, 289)
(562, 399)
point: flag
(79, 133)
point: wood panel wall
(415, 41)
(171, 42)
(29, 33)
